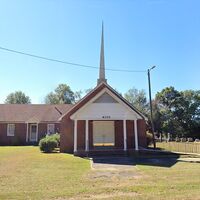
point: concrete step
(107, 153)
(102, 152)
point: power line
(65, 62)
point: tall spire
(102, 62)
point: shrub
(49, 143)
(190, 139)
(149, 138)
(56, 136)
(197, 140)
(177, 139)
(183, 139)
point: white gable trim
(128, 103)
(75, 115)
(81, 100)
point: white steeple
(102, 62)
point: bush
(197, 140)
(190, 140)
(55, 136)
(177, 139)
(49, 143)
(149, 138)
(183, 139)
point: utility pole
(150, 101)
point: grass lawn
(27, 174)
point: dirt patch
(114, 174)
(114, 167)
(119, 195)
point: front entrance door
(103, 133)
(33, 133)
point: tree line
(175, 112)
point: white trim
(130, 105)
(48, 128)
(86, 136)
(100, 119)
(81, 100)
(36, 132)
(36, 138)
(136, 135)
(125, 135)
(26, 132)
(75, 135)
(74, 115)
(8, 130)
(113, 91)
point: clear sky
(138, 34)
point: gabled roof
(29, 112)
(93, 93)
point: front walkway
(114, 167)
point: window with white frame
(10, 129)
(50, 128)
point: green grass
(28, 174)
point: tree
(190, 112)
(169, 102)
(78, 95)
(61, 95)
(51, 98)
(157, 117)
(138, 99)
(88, 90)
(17, 97)
(180, 111)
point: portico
(112, 122)
(105, 144)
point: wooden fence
(186, 147)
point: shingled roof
(26, 112)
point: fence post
(185, 148)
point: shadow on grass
(56, 150)
(156, 159)
(113, 160)
(53, 152)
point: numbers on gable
(106, 117)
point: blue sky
(138, 34)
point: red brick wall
(66, 129)
(18, 139)
(66, 136)
(81, 135)
(142, 133)
(119, 137)
(130, 134)
(20, 133)
(91, 134)
(42, 129)
(67, 140)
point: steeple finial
(102, 61)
